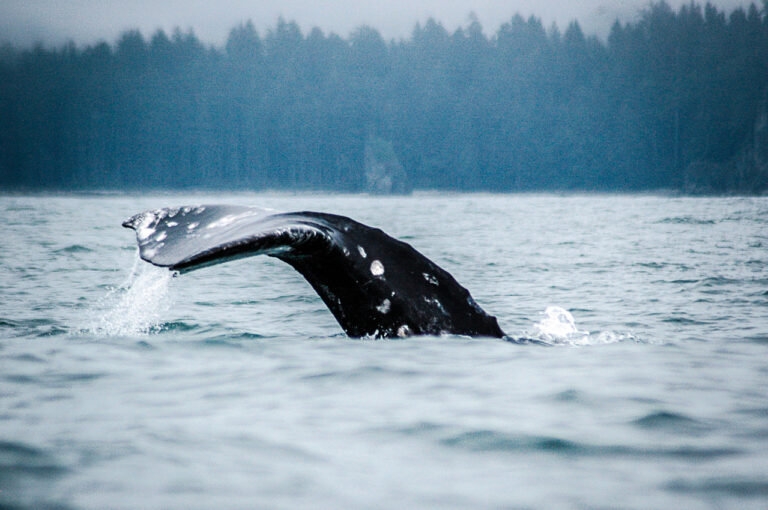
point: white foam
(558, 327)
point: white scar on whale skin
(144, 230)
(377, 268)
(362, 251)
(223, 222)
(384, 306)
(435, 302)
(234, 218)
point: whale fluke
(373, 284)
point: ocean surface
(233, 387)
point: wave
(176, 327)
(362, 373)
(31, 327)
(746, 487)
(685, 220)
(21, 458)
(483, 440)
(670, 421)
(75, 248)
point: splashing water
(137, 305)
(558, 327)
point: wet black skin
(373, 284)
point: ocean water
(233, 386)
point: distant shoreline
(676, 100)
(666, 193)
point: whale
(374, 285)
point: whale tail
(373, 284)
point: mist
(54, 22)
(675, 100)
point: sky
(54, 22)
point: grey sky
(85, 21)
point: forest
(675, 100)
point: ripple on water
(32, 327)
(74, 248)
(757, 339)
(177, 327)
(571, 395)
(745, 487)
(18, 458)
(8, 323)
(26, 358)
(670, 422)
(501, 442)
(682, 320)
(237, 337)
(53, 380)
(685, 220)
(362, 373)
(491, 441)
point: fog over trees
(676, 100)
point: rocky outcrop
(747, 172)
(383, 172)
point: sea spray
(135, 307)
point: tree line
(674, 100)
